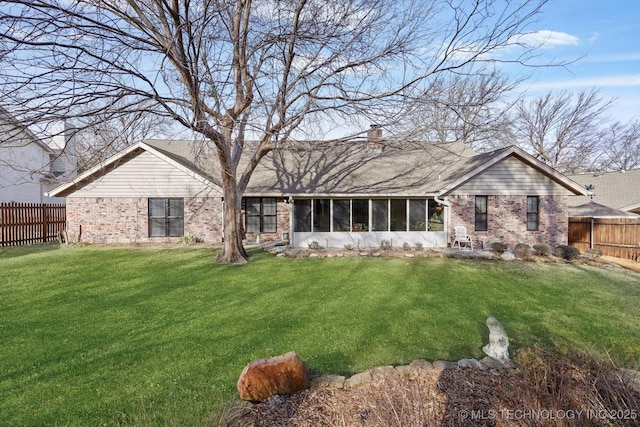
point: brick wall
(282, 223)
(125, 220)
(507, 220)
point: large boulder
(264, 378)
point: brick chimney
(374, 137)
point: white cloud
(620, 80)
(546, 39)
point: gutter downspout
(447, 217)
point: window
(417, 215)
(260, 215)
(166, 217)
(360, 218)
(532, 213)
(436, 216)
(398, 214)
(341, 215)
(322, 215)
(302, 215)
(481, 213)
(380, 215)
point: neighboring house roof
(16, 134)
(596, 210)
(337, 169)
(619, 190)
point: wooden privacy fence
(617, 237)
(26, 223)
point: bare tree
(103, 134)
(234, 70)
(462, 108)
(564, 130)
(622, 147)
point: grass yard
(141, 336)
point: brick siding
(125, 220)
(283, 210)
(507, 220)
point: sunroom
(367, 223)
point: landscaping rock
(407, 371)
(508, 256)
(471, 363)
(358, 380)
(443, 364)
(334, 381)
(498, 347)
(264, 378)
(422, 364)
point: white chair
(461, 237)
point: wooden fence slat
(617, 237)
(27, 223)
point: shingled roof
(618, 190)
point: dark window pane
(360, 215)
(176, 227)
(417, 215)
(252, 206)
(156, 207)
(398, 215)
(322, 215)
(269, 206)
(436, 216)
(481, 222)
(253, 224)
(532, 213)
(380, 214)
(269, 224)
(157, 227)
(341, 215)
(176, 208)
(302, 215)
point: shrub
(349, 247)
(385, 245)
(567, 252)
(419, 246)
(541, 249)
(406, 246)
(314, 245)
(499, 247)
(593, 253)
(189, 240)
(522, 249)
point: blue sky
(605, 35)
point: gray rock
(508, 256)
(334, 381)
(422, 364)
(407, 371)
(443, 364)
(471, 364)
(498, 347)
(358, 380)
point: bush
(541, 249)
(593, 253)
(349, 247)
(314, 245)
(385, 245)
(406, 246)
(567, 252)
(522, 249)
(499, 247)
(419, 246)
(189, 240)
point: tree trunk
(232, 251)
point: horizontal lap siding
(146, 175)
(512, 177)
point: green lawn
(140, 336)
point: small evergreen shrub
(566, 252)
(593, 253)
(314, 245)
(419, 246)
(406, 246)
(349, 247)
(189, 240)
(522, 249)
(541, 249)
(499, 247)
(385, 245)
